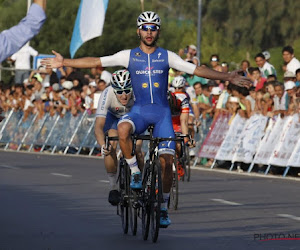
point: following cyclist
(115, 101)
(180, 109)
(148, 66)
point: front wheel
(156, 200)
(133, 212)
(188, 163)
(146, 200)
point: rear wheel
(188, 163)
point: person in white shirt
(265, 67)
(288, 57)
(281, 99)
(22, 63)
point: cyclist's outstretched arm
(119, 59)
(59, 61)
(232, 77)
(177, 63)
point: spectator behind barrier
(258, 80)
(292, 63)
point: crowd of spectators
(45, 90)
(268, 95)
(68, 89)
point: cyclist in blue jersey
(148, 66)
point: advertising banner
(288, 140)
(233, 136)
(215, 137)
(250, 139)
(269, 141)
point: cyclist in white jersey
(148, 66)
(115, 101)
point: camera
(186, 49)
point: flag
(89, 22)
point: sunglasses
(120, 92)
(151, 27)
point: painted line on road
(227, 202)
(10, 167)
(199, 168)
(289, 216)
(62, 175)
(104, 181)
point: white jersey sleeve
(119, 59)
(176, 62)
(103, 104)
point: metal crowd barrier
(68, 134)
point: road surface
(60, 202)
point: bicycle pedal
(136, 205)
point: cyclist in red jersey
(179, 104)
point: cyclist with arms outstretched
(148, 66)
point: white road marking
(10, 167)
(289, 216)
(62, 175)
(104, 181)
(227, 202)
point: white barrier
(288, 139)
(226, 151)
(250, 138)
(295, 157)
(258, 140)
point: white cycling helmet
(178, 82)
(121, 80)
(148, 17)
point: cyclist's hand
(53, 62)
(192, 143)
(237, 79)
(105, 151)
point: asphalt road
(60, 202)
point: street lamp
(199, 30)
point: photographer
(191, 54)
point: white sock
(112, 177)
(166, 197)
(133, 165)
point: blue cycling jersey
(149, 76)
